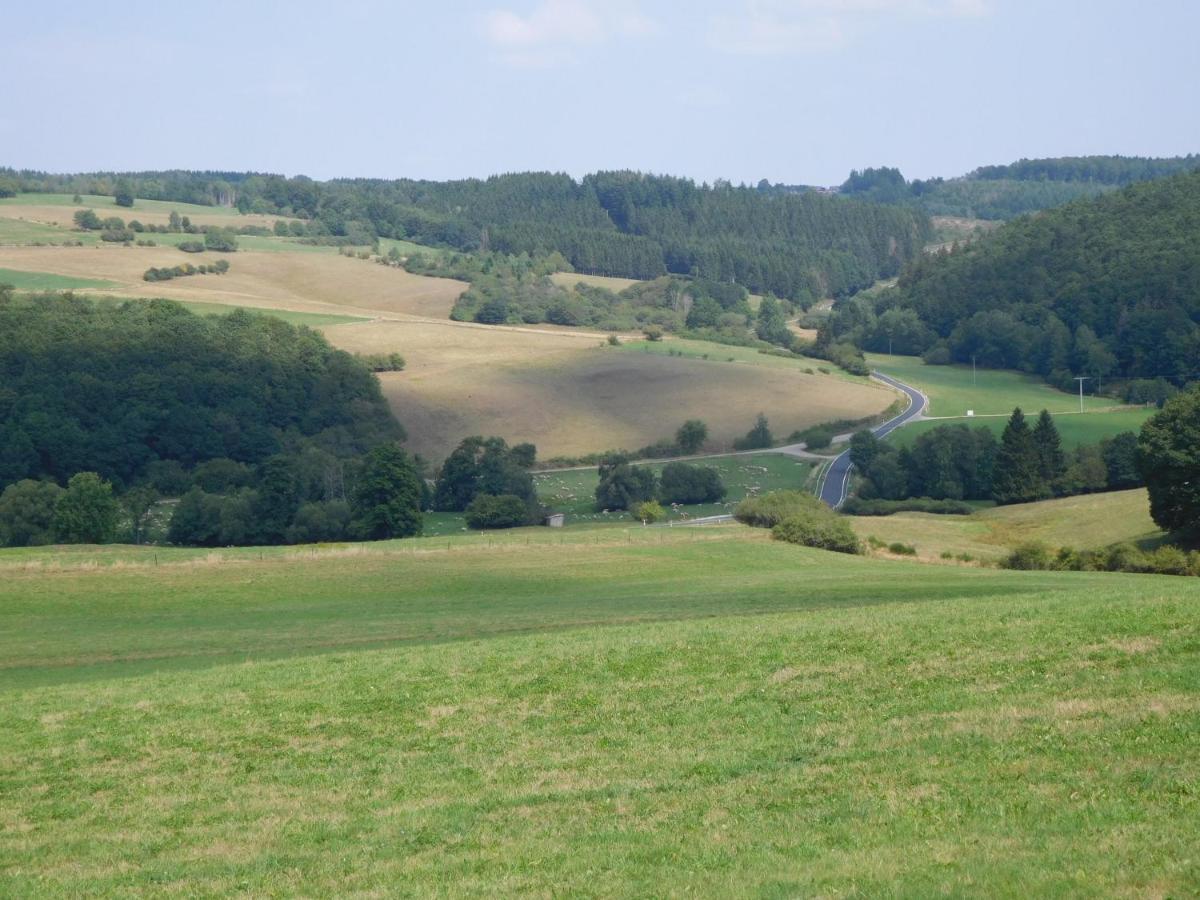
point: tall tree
(387, 501)
(86, 513)
(1169, 457)
(1052, 462)
(1018, 476)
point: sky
(794, 91)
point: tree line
(956, 462)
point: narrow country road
(836, 482)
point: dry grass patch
(146, 212)
(570, 279)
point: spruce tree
(1018, 477)
(1052, 462)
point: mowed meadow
(596, 713)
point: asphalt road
(836, 483)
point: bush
(221, 239)
(821, 528)
(816, 438)
(116, 235)
(757, 438)
(614, 341)
(1030, 557)
(648, 512)
(191, 246)
(770, 509)
(857, 506)
(653, 332)
(682, 483)
(902, 549)
(504, 511)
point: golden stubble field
(303, 282)
(570, 394)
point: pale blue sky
(798, 91)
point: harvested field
(304, 282)
(570, 397)
(58, 210)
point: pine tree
(1052, 462)
(1018, 477)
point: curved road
(836, 482)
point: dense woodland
(1107, 288)
(1004, 192)
(610, 223)
(263, 428)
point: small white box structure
(970, 413)
(556, 520)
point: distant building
(556, 520)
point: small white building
(556, 520)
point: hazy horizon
(795, 92)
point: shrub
(770, 509)
(116, 235)
(653, 332)
(902, 549)
(221, 239)
(503, 511)
(682, 483)
(757, 438)
(816, 438)
(1029, 557)
(821, 528)
(191, 246)
(857, 506)
(614, 341)
(648, 512)
(937, 355)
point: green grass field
(699, 712)
(1074, 428)
(952, 392)
(46, 281)
(245, 242)
(574, 492)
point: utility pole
(973, 381)
(1081, 379)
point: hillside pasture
(570, 396)
(45, 281)
(612, 714)
(574, 492)
(1075, 429)
(1087, 521)
(952, 390)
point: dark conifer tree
(1052, 462)
(1018, 476)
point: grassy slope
(1073, 428)
(842, 726)
(1088, 521)
(951, 391)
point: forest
(624, 224)
(1007, 191)
(265, 430)
(1106, 288)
